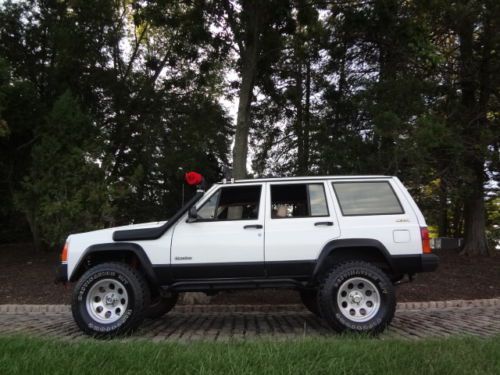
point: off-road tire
(337, 278)
(137, 292)
(160, 306)
(309, 298)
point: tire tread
(330, 277)
(137, 280)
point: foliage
(65, 189)
(380, 87)
(4, 82)
(387, 97)
(107, 104)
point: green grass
(24, 355)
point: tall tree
(256, 28)
(285, 121)
(151, 110)
(477, 27)
(65, 188)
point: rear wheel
(357, 297)
(109, 299)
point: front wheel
(357, 297)
(109, 299)
(160, 306)
(309, 298)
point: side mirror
(192, 214)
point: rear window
(367, 198)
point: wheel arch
(367, 249)
(129, 253)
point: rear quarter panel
(399, 233)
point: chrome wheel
(107, 301)
(358, 299)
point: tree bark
(443, 209)
(299, 122)
(307, 119)
(474, 117)
(475, 222)
(240, 150)
(457, 222)
(249, 49)
(31, 219)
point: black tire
(336, 315)
(137, 292)
(160, 306)
(309, 298)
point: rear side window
(367, 198)
(298, 200)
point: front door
(228, 238)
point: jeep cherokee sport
(341, 241)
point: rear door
(300, 221)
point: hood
(106, 235)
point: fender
(119, 246)
(353, 243)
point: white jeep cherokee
(341, 241)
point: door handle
(256, 226)
(327, 223)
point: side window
(207, 211)
(232, 203)
(298, 200)
(367, 198)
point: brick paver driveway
(240, 322)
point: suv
(341, 241)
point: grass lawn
(24, 355)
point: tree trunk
(443, 209)
(248, 52)
(35, 234)
(307, 117)
(475, 224)
(474, 115)
(457, 219)
(299, 133)
(240, 150)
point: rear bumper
(429, 262)
(411, 264)
(61, 274)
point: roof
(309, 178)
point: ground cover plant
(337, 355)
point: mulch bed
(28, 277)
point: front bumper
(61, 274)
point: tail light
(64, 253)
(426, 241)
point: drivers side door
(227, 240)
